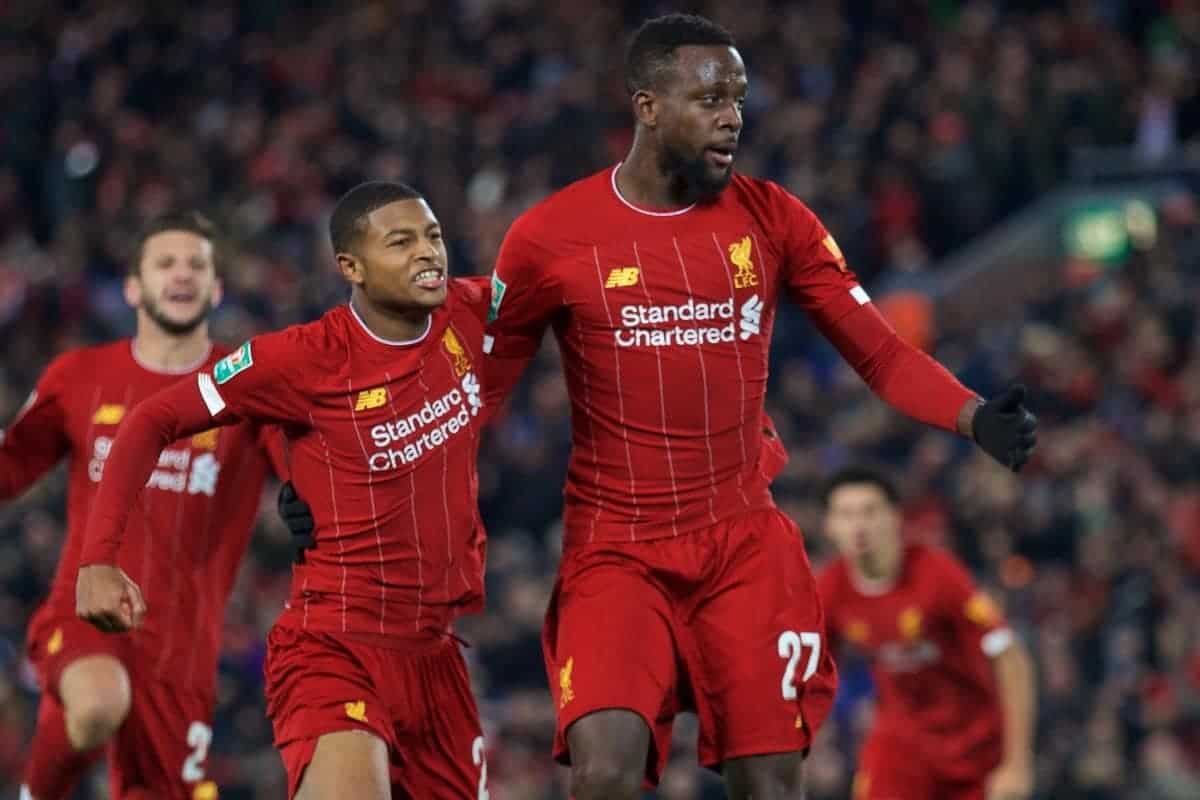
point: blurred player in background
(149, 696)
(381, 402)
(955, 687)
(681, 585)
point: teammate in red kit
(681, 584)
(149, 696)
(955, 686)
(381, 403)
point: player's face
(176, 281)
(861, 520)
(700, 118)
(401, 263)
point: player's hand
(298, 517)
(1010, 781)
(1005, 428)
(108, 598)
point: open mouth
(432, 278)
(721, 155)
(181, 296)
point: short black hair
(858, 475)
(349, 217)
(651, 53)
(190, 221)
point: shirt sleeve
(37, 438)
(524, 300)
(815, 273)
(252, 383)
(973, 614)
(819, 281)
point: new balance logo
(371, 398)
(751, 321)
(621, 277)
(109, 414)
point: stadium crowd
(910, 127)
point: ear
(218, 292)
(351, 269)
(133, 290)
(646, 106)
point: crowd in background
(909, 126)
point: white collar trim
(184, 370)
(389, 342)
(617, 192)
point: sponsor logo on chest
(408, 436)
(695, 321)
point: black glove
(298, 518)
(1005, 428)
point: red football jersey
(382, 444)
(929, 638)
(186, 531)
(664, 322)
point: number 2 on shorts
(477, 755)
(791, 644)
(199, 737)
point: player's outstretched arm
(104, 595)
(36, 440)
(1013, 779)
(819, 281)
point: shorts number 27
(791, 644)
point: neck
(642, 181)
(878, 571)
(393, 326)
(164, 352)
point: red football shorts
(889, 769)
(162, 746)
(725, 621)
(417, 700)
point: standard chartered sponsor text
(634, 318)
(428, 427)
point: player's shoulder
(766, 198)
(924, 560)
(472, 296)
(303, 343)
(563, 209)
(834, 577)
(82, 364)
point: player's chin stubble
(176, 327)
(696, 181)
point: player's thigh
(441, 755)
(755, 646)
(609, 644)
(317, 684)
(162, 749)
(342, 763)
(96, 695)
